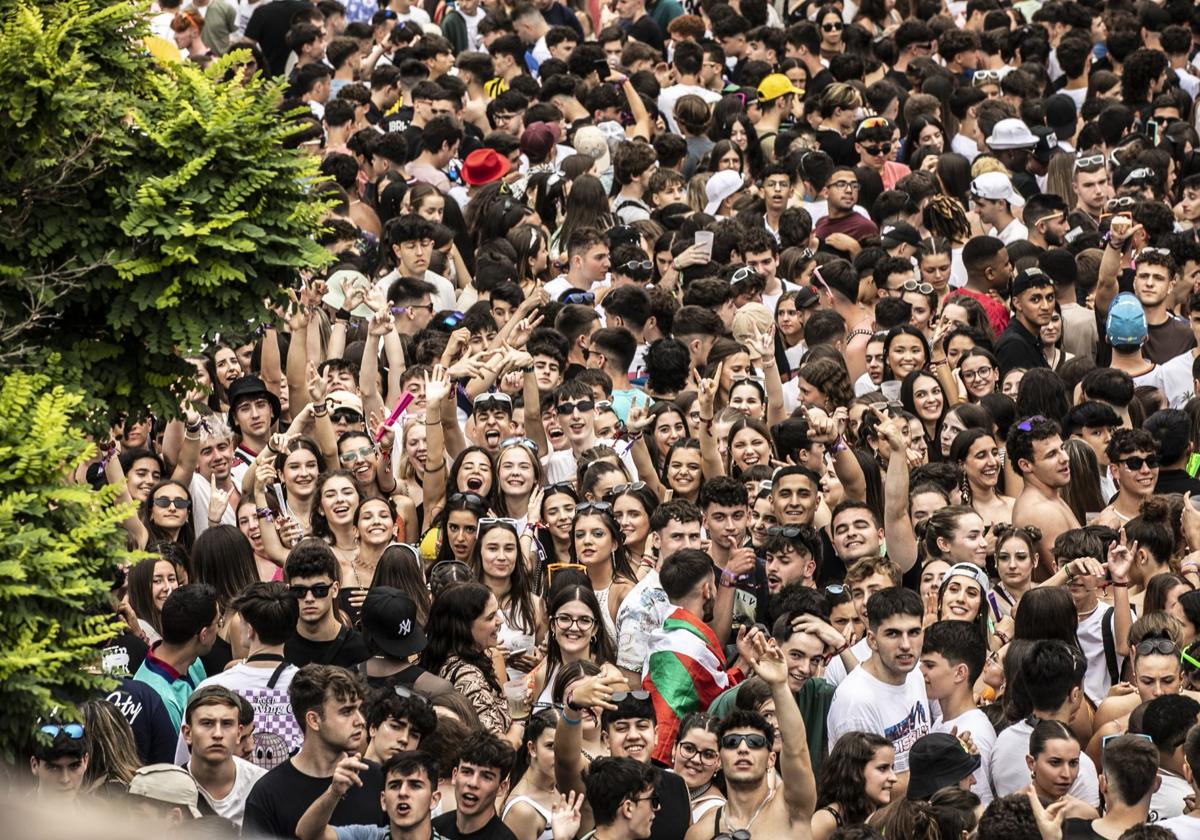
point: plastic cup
(891, 390)
(516, 693)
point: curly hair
(831, 379)
(843, 777)
(944, 217)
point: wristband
(837, 653)
(840, 445)
(190, 435)
(1120, 585)
(342, 315)
(567, 719)
(320, 411)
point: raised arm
(322, 426)
(314, 824)
(368, 371)
(433, 483)
(297, 360)
(706, 390)
(1116, 255)
(772, 384)
(189, 449)
(270, 369)
(640, 421)
(941, 368)
(897, 525)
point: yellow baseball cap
(775, 86)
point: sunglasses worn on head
(520, 441)
(1107, 738)
(789, 531)
(1027, 424)
(625, 488)
(493, 520)
(1164, 647)
(593, 507)
(74, 731)
(637, 266)
(492, 396)
(178, 504)
(300, 591)
(1089, 161)
(584, 298)
(621, 696)
(753, 740)
(473, 498)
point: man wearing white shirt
(993, 196)
(212, 733)
(1187, 827)
(1052, 673)
(687, 61)
(886, 694)
(587, 252)
(531, 27)
(1166, 720)
(410, 241)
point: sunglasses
(1135, 463)
(352, 456)
(1107, 738)
(560, 487)
(472, 498)
(74, 731)
(881, 149)
(753, 740)
(1123, 203)
(554, 568)
(583, 407)
(346, 415)
(520, 441)
(621, 696)
(1058, 215)
(1162, 252)
(789, 531)
(914, 286)
(836, 26)
(318, 590)
(1164, 647)
(492, 396)
(584, 298)
(453, 321)
(1140, 174)
(1088, 161)
(983, 77)
(178, 504)
(1027, 424)
(590, 507)
(636, 266)
(872, 122)
(496, 520)
(835, 589)
(625, 488)
(742, 274)
(654, 800)
(401, 310)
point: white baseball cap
(719, 187)
(996, 186)
(1011, 134)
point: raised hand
(317, 386)
(565, 816)
(377, 300)
(1120, 558)
(468, 367)
(519, 336)
(290, 532)
(639, 420)
(377, 420)
(346, 774)
(767, 660)
(437, 386)
(823, 630)
(707, 390)
(381, 324)
(1049, 819)
(889, 429)
(821, 427)
(265, 473)
(218, 501)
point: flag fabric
(684, 672)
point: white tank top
(543, 812)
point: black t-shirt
(280, 798)
(644, 29)
(840, 148)
(347, 650)
(675, 817)
(494, 830)
(1075, 829)
(269, 25)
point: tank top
(605, 615)
(543, 812)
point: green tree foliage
(60, 544)
(143, 206)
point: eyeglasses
(178, 504)
(491, 396)
(352, 456)
(923, 45)
(589, 507)
(604, 405)
(653, 799)
(1088, 161)
(753, 740)
(471, 498)
(74, 731)
(853, 186)
(318, 590)
(636, 265)
(881, 149)
(835, 589)
(400, 310)
(583, 407)
(1027, 424)
(1136, 463)
(625, 488)
(565, 622)
(789, 531)
(1125, 202)
(836, 26)
(689, 750)
(520, 441)
(346, 415)
(914, 286)
(585, 298)
(621, 696)
(983, 77)
(982, 372)
(1163, 647)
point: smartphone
(1152, 129)
(602, 68)
(704, 238)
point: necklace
(754, 816)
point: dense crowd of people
(717, 420)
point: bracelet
(1120, 585)
(342, 315)
(840, 445)
(439, 467)
(190, 435)
(265, 513)
(1002, 637)
(320, 412)
(728, 578)
(192, 427)
(837, 653)
(567, 719)
(937, 362)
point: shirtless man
(1133, 464)
(1035, 449)
(745, 741)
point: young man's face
(213, 734)
(547, 372)
(726, 526)
(861, 592)
(674, 193)
(476, 788)
(1136, 473)
(215, 458)
(413, 257)
(631, 738)
(855, 535)
(745, 764)
(1036, 305)
(1097, 437)
(897, 643)
(676, 536)
(576, 416)
(1050, 463)
(1092, 189)
(764, 263)
(393, 736)
(804, 654)
(340, 379)
(59, 776)
(342, 723)
(788, 566)
(253, 416)
(315, 596)
(501, 311)
(407, 800)
(1152, 284)
(939, 676)
(593, 265)
(795, 499)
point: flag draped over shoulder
(684, 672)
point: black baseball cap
(389, 623)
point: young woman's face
(247, 519)
(738, 137)
(415, 448)
(969, 544)
(812, 396)
(957, 346)
(475, 474)
(668, 428)
(746, 399)
(951, 426)
(485, 630)
(961, 600)
(762, 517)
(931, 135)
(143, 474)
(683, 471)
(358, 455)
(931, 576)
(1052, 332)
(516, 471)
(924, 505)
(462, 526)
(697, 758)
(632, 519)
(831, 31)
(172, 516)
(300, 473)
(922, 313)
(576, 636)
(558, 512)
(163, 583)
(983, 462)
(376, 525)
(227, 366)
(927, 398)
(730, 160)
(935, 270)
(498, 553)
(593, 542)
(978, 376)
(1012, 383)
(432, 207)
(1055, 769)
(605, 483)
(905, 354)
(748, 448)
(916, 440)
(339, 500)
(787, 318)
(1014, 562)
(735, 367)
(879, 777)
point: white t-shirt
(416, 14)
(835, 671)
(669, 96)
(563, 465)
(233, 806)
(1010, 773)
(983, 735)
(965, 146)
(899, 713)
(1096, 682)
(772, 301)
(201, 491)
(1184, 828)
(239, 679)
(444, 296)
(1014, 231)
(1177, 383)
(1167, 801)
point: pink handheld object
(396, 412)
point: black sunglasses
(1136, 462)
(300, 592)
(789, 531)
(881, 149)
(473, 498)
(584, 298)
(754, 740)
(1164, 647)
(178, 504)
(833, 27)
(583, 406)
(346, 415)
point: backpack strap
(1110, 647)
(277, 673)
